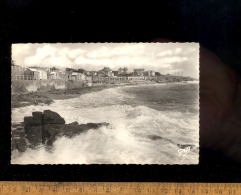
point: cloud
(75, 53)
(190, 50)
(117, 50)
(24, 49)
(163, 57)
(174, 59)
(40, 55)
(178, 50)
(165, 53)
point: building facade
(112, 79)
(138, 72)
(16, 68)
(54, 75)
(123, 71)
(149, 73)
(35, 74)
(136, 78)
(17, 72)
(42, 75)
(106, 71)
(78, 76)
(32, 74)
(63, 76)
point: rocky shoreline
(48, 97)
(43, 128)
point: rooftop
(32, 69)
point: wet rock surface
(19, 141)
(50, 117)
(19, 144)
(44, 128)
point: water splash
(137, 134)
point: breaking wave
(136, 135)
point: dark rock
(21, 145)
(37, 115)
(51, 133)
(84, 127)
(46, 127)
(13, 143)
(27, 128)
(68, 130)
(15, 125)
(52, 129)
(72, 130)
(19, 128)
(51, 117)
(183, 146)
(154, 137)
(18, 133)
(50, 142)
(28, 120)
(54, 121)
(48, 114)
(74, 123)
(96, 125)
(34, 135)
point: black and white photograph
(105, 103)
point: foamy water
(129, 138)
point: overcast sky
(162, 57)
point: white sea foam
(128, 139)
(193, 82)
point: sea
(149, 124)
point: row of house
(106, 74)
(106, 71)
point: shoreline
(48, 97)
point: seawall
(24, 86)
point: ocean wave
(136, 135)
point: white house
(42, 75)
(35, 74)
(54, 75)
(78, 76)
(149, 73)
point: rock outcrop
(18, 138)
(44, 128)
(50, 117)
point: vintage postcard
(105, 103)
